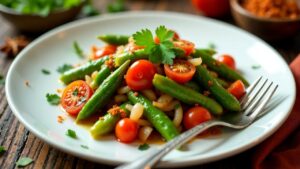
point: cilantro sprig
(71, 133)
(158, 52)
(53, 99)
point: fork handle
(148, 161)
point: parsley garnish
(53, 99)
(143, 147)
(46, 72)
(2, 80)
(24, 161)
(78, 50)
(64, 68)
(2, 150)
(71, 133)
(158, 53)
(84, 146)
(116, 6)
(255, 66)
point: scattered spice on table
(273, 8)
(12, 46)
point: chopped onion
(195, 61)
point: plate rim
(165, 163)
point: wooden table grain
(19, 142)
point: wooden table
(20, 142)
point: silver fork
(252, 104)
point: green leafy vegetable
(144, 146)
(39, 7)
(78, 50)
(53, 99)
(116, 6)
(24, 161)
(46, 72)
(2, 150)
(64, 68)
(84, 146)
(255, 66)
(71, 133)
(158, 53)
(2, 80)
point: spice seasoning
(273, 8)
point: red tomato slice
(237, 89)
(140, 74)
(126, 130)
(185, 45)
(103, 51)
(181, 71)
(195, 116)
(75, 95)
(227, 60)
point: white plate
(55, 48)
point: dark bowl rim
(236, 6)
(10, 11)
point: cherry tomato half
(140, 74)
(227, 60)
(126, 130)
(181, 71)
(103, 51)
(195, 116)
(75, 95)
(212, 8)
(237, 89)
(185, 45)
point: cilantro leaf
(71, 133)
(144, 38)
(161, 52)
(24, 161)
(163, 33)
(64, 68)
(53, 99)
(2, 150)
(84, 146)
(143, 147)
(78, 50)
(46, 72)
(2, 80)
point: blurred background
(21, 21)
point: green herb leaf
(2, 80)
(24, 161)
(158, 53)
(2, 150)
(116, 6)
(164, 34)
(144, 147)
(78, 50)
(46, 72)
(84, 146)
(75, 92)
(71, 133)
(255, 66)
(64, 68)
(53, 99)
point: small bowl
(270, 29)
(37, 24)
